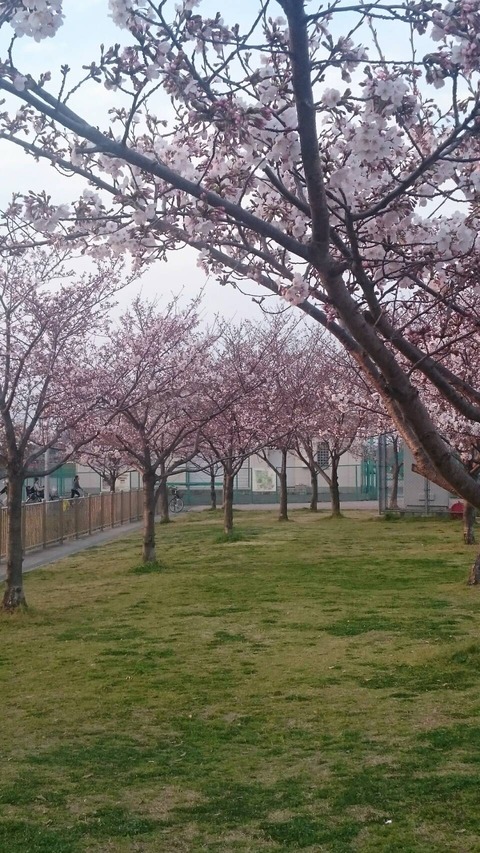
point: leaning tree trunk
(469, 513)
(163, 502)
(314, 482)
(149, 554)
(14, 595)
(335, 489)
(213, 493)
(283, 512)
(227, 502)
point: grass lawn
(312, 685)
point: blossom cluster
(38, 19)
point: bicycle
(34, 495)
(175, 504)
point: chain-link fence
(261, 486)
(400, 488)
(56, 521)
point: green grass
(311, 686)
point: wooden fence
(54, 522)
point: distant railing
(358, 482)
(54, 522)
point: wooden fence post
(44, 523)
(60, 521)
(23, 526)
(75, 516)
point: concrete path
(35, 559)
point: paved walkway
(35, 559)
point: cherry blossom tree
(239, 372)
(334, 426)
(301, 153)
(103, 457)
(48, 373)
(456, 348)
(208, 461)
(282, 404)
(463, 437)
(154, 388)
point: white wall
(92, 482)
(419, 492)
(298, 473)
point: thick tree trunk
(314, 483)
(149, 554)
(474, 577)
(227, 502)
(14, 595)
(283, 512)
(213, 493)
(335, 489)
(469, 513)
(163, 502)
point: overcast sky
(87, 25)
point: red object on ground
(456, 509)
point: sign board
(263, 481)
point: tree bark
(474, 577)
(149, 554)
(213, 493)
(227, 502)
(163, 502)
(393, 502)
(469, 513)
(14, 595)
(396, 468)
(314, 483)
(283, 512)
(334, 489)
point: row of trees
(298, 152)
(157, 389)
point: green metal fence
(358, 482)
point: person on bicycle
(76, 487)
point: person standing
(76, 487)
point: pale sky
(87, 25)
(77, 43)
